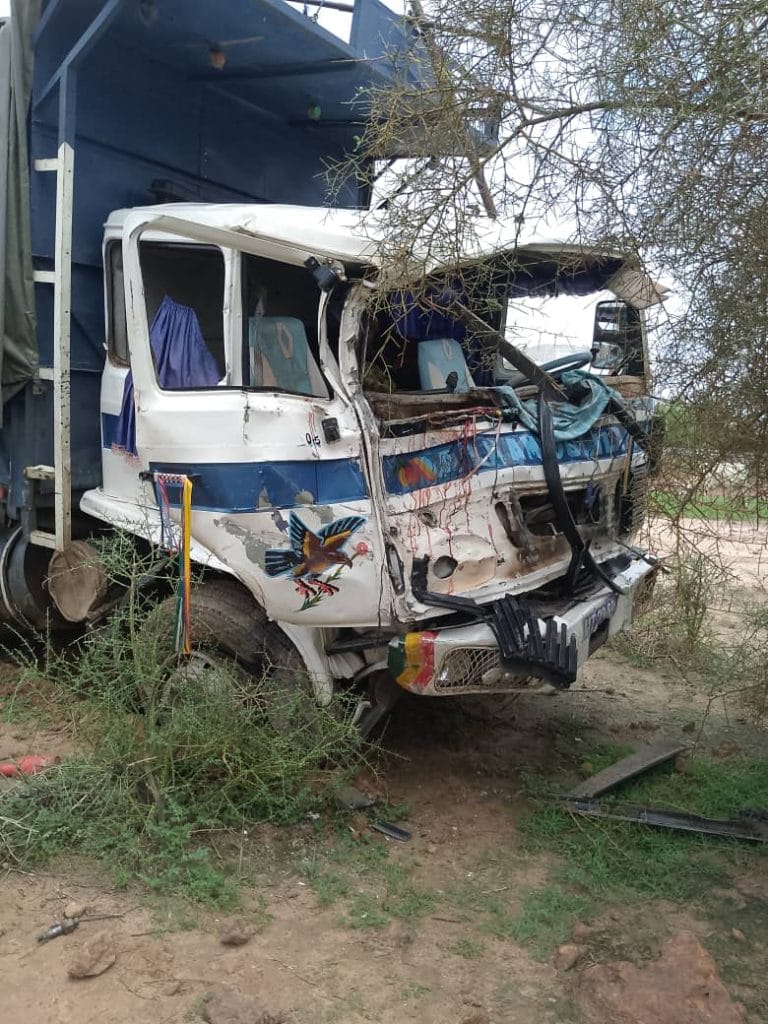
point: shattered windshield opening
(548, 327)
(416, 342)
(546, 305)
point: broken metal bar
(332, 5)
(391, 831)
(749, 825)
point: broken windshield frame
(447, 335)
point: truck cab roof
(354, 236)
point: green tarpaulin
(18, 353)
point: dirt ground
(458, 766)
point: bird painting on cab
(313, 554)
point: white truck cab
(368, 462)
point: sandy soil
(457, 764)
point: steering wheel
(572, 361)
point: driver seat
(438, 359)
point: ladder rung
(45, 540)
(44, 276)
(39, 472)
(45, 373)
(50, 164)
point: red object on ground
(28, 765)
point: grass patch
(156, 775)
(329, 887)
(24, 700)
(15, 709)
(414, 991)
(365, 911)
(391, 895)
(601, 861)
(370, 886)
(197, 1011)
(544, 920)
(468, 949)
(729, 508)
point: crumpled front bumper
(468, 659)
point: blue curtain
(182, 361)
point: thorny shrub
(675, 627)
(151, 776)
(679, 628)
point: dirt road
(348, 926)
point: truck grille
(463, 670)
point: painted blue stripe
(108, 429)
(252, 486)
(255, 486)
(427, 467)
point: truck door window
(184, 284)
(117, 330)
(280, 340)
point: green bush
(160, 762)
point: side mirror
(617, 343)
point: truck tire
(230, 632)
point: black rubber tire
(227, 625)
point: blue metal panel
(71, 62)
(150, 106)
(428, 467)
(377, 30)
(28, 438)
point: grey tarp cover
(18, 352)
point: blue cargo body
(244, 101)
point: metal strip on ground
(749, 825)
(627, 768)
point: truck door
(236, 386)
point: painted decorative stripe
(411, 471)
(254, 486)
(108, 429)
(411, 659)
(251, 486)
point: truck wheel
(233, 645)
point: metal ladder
(61, 278)
(64, 79)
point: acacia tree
(637, 124)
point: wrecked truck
(381, 487)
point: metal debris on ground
(749, 825)
(63, 927)
(627, 768)
(391, 831)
